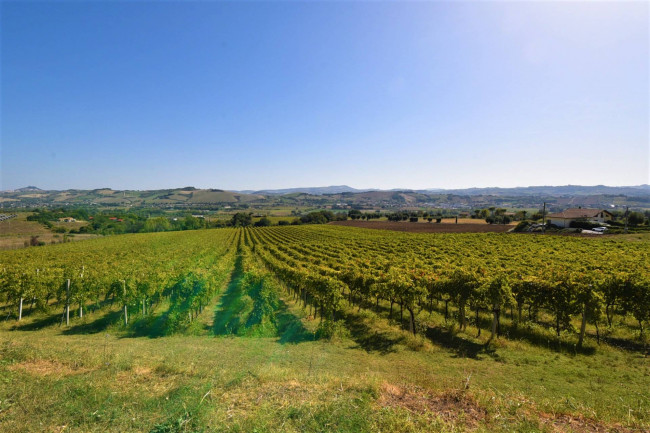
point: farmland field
(326, 328)
(446, 226)
(16, 231)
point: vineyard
(476, 297)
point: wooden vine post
(126, 312)
(67, 302)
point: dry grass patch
(248, 395)
(45, 367)
(150, 380)
(562, 423)
(451, 407)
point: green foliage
(332, 329)
(584, 224)
(635, 218)
(159, 224)
(366, 378)
(263, 222)
(522, 226)
(241, 219)
(322, 217)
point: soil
(426, 227)
(451, 407)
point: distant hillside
(309, 190)
(339, 197)
(567, 190)
(32, 196)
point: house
(565, 218)
(67, 220)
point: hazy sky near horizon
(260, 95)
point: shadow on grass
(37, 324)
(535, 333)
(370, 339)
(96, 326)
(226, 316)
(151, 326)
(537, 336)
(620, 343)
(290, 328)
(462, 348)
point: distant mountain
(566, 190)
(29, 189)
(338, 197)
(320, 190)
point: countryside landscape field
(326, 328)
(324, 216)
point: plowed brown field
(426, 227)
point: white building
(564, 219)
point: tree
(635, 218)
(241, 219)
(354, 214)
(193, 223)
(159, 224)
(263, 222)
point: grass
(224, 372)
(99, 376)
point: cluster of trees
(322, 217)
(356, 214)
(108, 223)
(245, 219)
(494, 215)
(163, 224)
(242, 219)
(634, 218)
(415, 215)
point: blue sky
(256, 95)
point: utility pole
(627, 211)
(544, 219)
